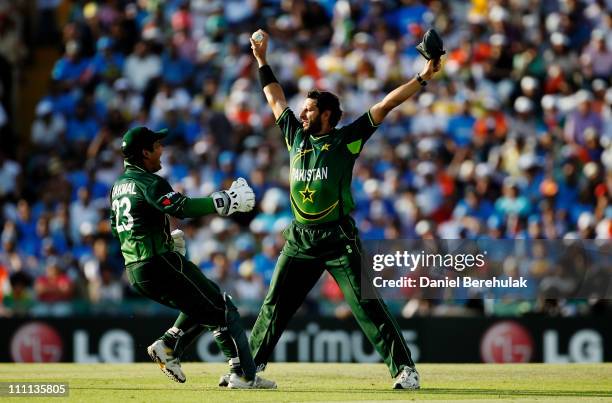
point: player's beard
(315, 126)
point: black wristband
(420, 80)
(266, 76)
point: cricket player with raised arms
(323, 235)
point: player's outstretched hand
(239, 197)
(259, 44)
(431, 68)
(179, 241)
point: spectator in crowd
(599, 55)
(582, 118)
(249, 285)
(10, 178)
(141, 66)
(54, 285)
(221, 272)
(70, 69)
(106, 63)
(106, 289)
(19, 301)
(82, 213)
(48, 128)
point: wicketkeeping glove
(431, 47)
(239, 197)
(179, 241)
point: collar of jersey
(317, 138)
(128, 165)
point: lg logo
(36, 342)
(506, 342)
(585, 345)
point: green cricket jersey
(321, 167)
(140, 204)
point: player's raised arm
(432, 49)
(272, 89)
(403, 92)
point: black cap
(138, 138)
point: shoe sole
(399, 387)
(223, 383)
(230, 386)
(168, 372)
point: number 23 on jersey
(122, 207)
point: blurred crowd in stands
(512, 140)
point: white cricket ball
(257, 36)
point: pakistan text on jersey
(309, 174)
(124, 188)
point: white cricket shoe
(407, 379)
(238, 382)
(168, 363)
(224, 380)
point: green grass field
(321, 382)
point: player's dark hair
(326, 101)
(136, 156)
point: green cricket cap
(138, 138)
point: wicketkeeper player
(157, 268)
(323, 236)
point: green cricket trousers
(308, 251)
(174, 281)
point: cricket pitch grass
(320, 383)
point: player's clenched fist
(239, 197)
(430, 69)
(259, 44)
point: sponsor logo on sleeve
(167, 199)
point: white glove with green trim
(239, 197)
